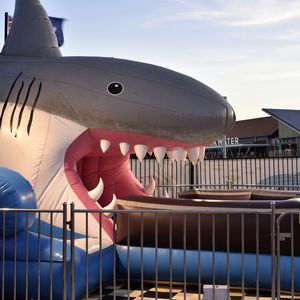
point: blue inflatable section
(46, 262)
(206, 266)
(26, 253)
(57, 232)
(15, 192)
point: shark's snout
(230, 117)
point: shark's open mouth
(97, 163)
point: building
(288, 129)
(276, 135)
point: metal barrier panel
(281, 173)
(243, 248)
(227, 247)
(99, 245)
(288, 225)
(31, 254)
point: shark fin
(32, 34)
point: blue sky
(246, 50)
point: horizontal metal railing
(231, 185)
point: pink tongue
(115, 173)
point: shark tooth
(124, 148)
(140, 151)
(111, 206)
(179, 154)
(193, 154)
(159, 153)
(104, 145)
(96, 193)
(166, 194)
(150, 188)
(170, 155)
(201, 153)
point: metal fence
(24, 274)
(262, 254)
(172, 177)
(286, 237)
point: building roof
(259, 127)
(290, 117)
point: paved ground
(163, 292)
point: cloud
(264, 13)
(252, 65)
(234, 12)
(290, 35)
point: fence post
(192, 174)
(229, 184)
(278, 254)
(273, 248)
(65, 251)
(72, 228)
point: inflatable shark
(69, 124)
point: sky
(247, 50)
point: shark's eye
(115, 88)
